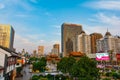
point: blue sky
(38, 22)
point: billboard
(102, 56)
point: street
(26, 74)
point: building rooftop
(107, 34)
(76, 54)
(13, 53)
(71, 24)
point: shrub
(106, 79)
(35, 77)
(109, 74)
(116, 75)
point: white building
(8, 62)
(107, 43)
(83, 43)
(2, 60)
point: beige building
(83, 43)
(56, 49)
(34, 53)
(69, 33)
(40, 50)
(6, 36)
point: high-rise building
(40, 50)
(69, 33)
(6, 36)
(56, 49)
(83, 43)
(94, 38)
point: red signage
(118, 57)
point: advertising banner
(102, 56)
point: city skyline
(38, 22)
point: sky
(38, 22)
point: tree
(33, 59)
(35, 66)
(65, 64)
(35, 77)
(62, 65)
(85, 69)
(40, 64)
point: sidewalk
(26, 74)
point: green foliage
(84, 69)
(106, 79)
(35, 77)
(87, 69)
(109, 74)
(50, 77)
(61, 77)
(35, 66)
(33, 59)
(65, 65)
(43, 79)
(116, 75)
(19, 69)
(40, 64)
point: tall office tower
(83, 43)
(56, 49)
(94, 38)
(40, 50)
(6, 36)
(69, 33)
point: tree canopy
(84, 69)
(40, 64)
(65, 64)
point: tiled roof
(77, 54)
(13, 53)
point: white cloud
(13, 5)
(2, 6)
(106, 4)
(102, 22)
(29, 44)
(97, 29)
(111, 20)
(22, 42)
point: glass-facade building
(6, 36)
